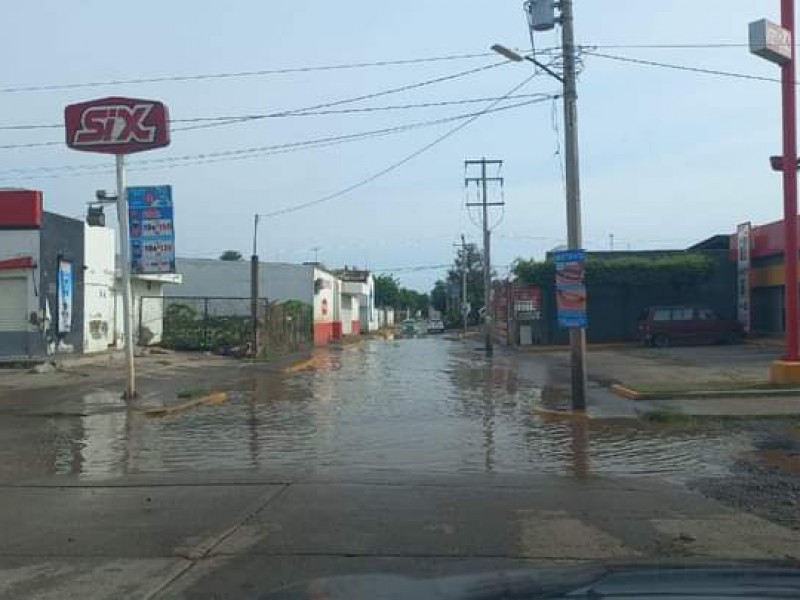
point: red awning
(21, 262)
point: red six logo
(117, 125)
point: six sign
(117, 125)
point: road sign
(152, 232)
(116, 125)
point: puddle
(424, 405)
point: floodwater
(426, 405)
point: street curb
(300, 365)
(163, 411)
(631, 394)
(564, 414)
(536, 349)
(621, 390)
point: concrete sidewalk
(201, 536)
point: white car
(435, 326)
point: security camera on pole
(119, 126)
(542, 17)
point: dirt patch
(766, 480)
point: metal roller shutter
(13, 303)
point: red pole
(788, 82)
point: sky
(668, 157)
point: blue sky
(667, 157)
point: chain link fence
(223, 325)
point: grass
(189, 393)
(666, 417)
(712, 386)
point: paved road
(416, 456)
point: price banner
(152, 231)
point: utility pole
(125, 259)
(577, 336)
(483, 180)
(464, 269)
(254, 292)
(542, 17)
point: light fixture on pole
(541, 17)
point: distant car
(663, 326)
(435, 326)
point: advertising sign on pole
(570, 289)
(120, 126)
(117, 125)
(743, 274)
(64, 295)
(152, 233)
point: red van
(663, 326)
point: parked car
(663, 326)
(435, 326)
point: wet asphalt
(417, 456)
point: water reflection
(417, 405)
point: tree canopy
(231, 255)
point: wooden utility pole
(483, 180)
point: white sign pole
(125, 260)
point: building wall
(278, 282)
(350, 314)
(98, 289)
(613, 309)
(63, 236)
(28, 340)
(327, 325)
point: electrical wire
(559, 156)
(242, 153)
(676, 67)
(401, 162)
(240, 74)
(343, 111)
(395, 90)
(219, 122)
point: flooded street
(426, 405)
(416, 456)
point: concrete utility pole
(254, 292)
(125, 259)
(464, 269)
(541, 17)
(488, 310)
(577, 336)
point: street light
(516, 57)
(577, 336)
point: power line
(370, 96)
(401, 162)
(240, 74)
(310, 113)
(689, 46)
(676, 67)
(219, 122)
(243, 153)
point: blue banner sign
(571, 289)
(152, 232)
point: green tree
(387, 291)
(231, 255)
(470, 258)
(439, 296)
